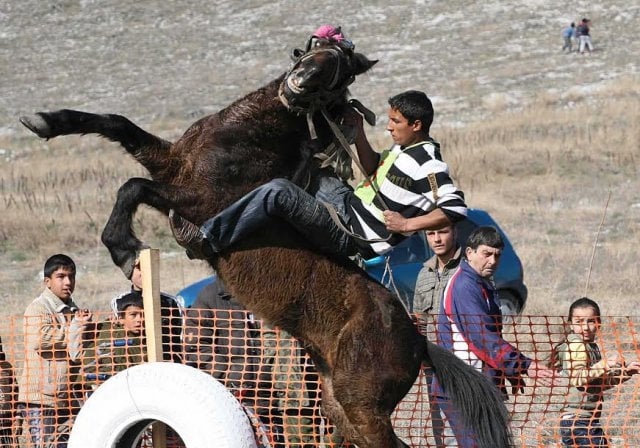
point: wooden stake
(150, 267)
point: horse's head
(321, 74)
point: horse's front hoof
(38, 125)
(130, 263)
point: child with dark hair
(119, 343)
(579, 358)
(53, 326)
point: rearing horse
(363, 343)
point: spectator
(430, 284)
(470, 326)
(585, 36)
(436, 271)
(53, 325)
(264, 368)
(171, 312)
(8, 399)
(223, 339)
(568, 34)
(579, 358)
(118, 344)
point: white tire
(199, 408)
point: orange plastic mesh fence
(273, 378)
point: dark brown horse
(361, 339)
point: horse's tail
(474, 396)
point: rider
(407, 189)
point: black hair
(584, 302)
(485, 236)
(414, 105)
(133, 298)
(56, 262)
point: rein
(319, 101)
(332, 212)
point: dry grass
(544, 172)
(57, 197)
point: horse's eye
(317, 42)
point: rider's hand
(395, 222)
(352, 117)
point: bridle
(340, 152)
(322, 96)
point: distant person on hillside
(53, 325)
(585, 36)
(580, 359)
(567, 34)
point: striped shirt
(402, 179)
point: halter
(340, 153)
(323, 95)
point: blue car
(398, 269)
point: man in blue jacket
(470, 325)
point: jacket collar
(56, 303)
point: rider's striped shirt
(402, 178)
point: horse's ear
(296, 54)
(363, 63)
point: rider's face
(402, 132)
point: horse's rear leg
(114, 127)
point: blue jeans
(443, 435)
(582, 432)
(281, 202)
(464, 436)
(42, 422)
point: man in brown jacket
(53, 325)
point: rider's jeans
(281, 202)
